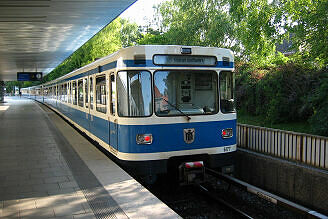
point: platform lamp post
(2, 91)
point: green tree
(307, 21)
(192, 22)
(258, 28)
(119, 33)
(129, 34)
(250, 28)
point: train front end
(178, 115)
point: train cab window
(80, 93)
(227, 84)
(91, 93)
(101, 105)
(134, 96)
(74, 93)
(86, 93)
(181, 92)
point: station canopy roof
(37, 35)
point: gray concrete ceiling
(37, 35)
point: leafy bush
(319, 101)
(280, 94)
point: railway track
(230, 206)
(279, 201)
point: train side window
(112, 94)
(134, 97)
(91, 93)
(57, 92)
(69, 92)
(74, 93)
(101, 94)
(80, 92)
(59, 97)
(65, 92)
(86, 93)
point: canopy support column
(2, 91)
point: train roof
(148, 51)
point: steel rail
(223, 202)
(267, 195)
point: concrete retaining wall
(299, 183)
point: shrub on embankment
(284, 93)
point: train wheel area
(47, 169)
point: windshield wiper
(188, 117)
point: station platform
(48, 170)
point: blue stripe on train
(166, 137)
(169, 137)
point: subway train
(154, 108)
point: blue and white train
(152, 107)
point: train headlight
(227, 133)
(144, 138)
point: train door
(112, 122)
(99, 121)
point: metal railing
(304, 148)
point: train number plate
(227, 149)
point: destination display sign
(29, 76)
(184, 60)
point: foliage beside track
(283, 97)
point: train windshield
(180, 92)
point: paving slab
(33, 171)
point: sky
(141, 11)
